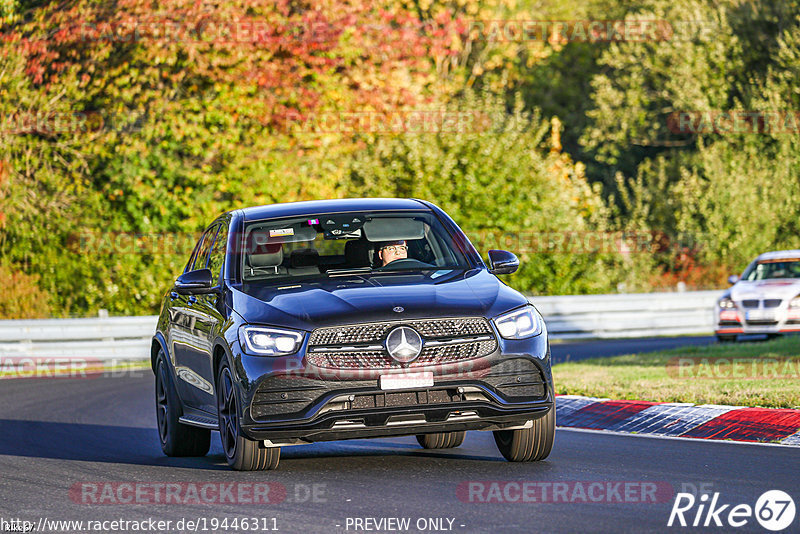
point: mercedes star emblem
(404, 344)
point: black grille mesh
(376, 332)
(379, 359)
(516, 379)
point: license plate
(759, 315)
(407, 380)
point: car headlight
(520, 324)
(269, 341)
(726, 303)
(795, 302)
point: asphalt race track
(62, 436)
(600, 348)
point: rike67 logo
(774, 510)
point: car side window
(217, 257)
(201, 259)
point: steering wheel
(405, 263)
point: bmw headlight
(520, 324)
(795, 302)
(266, 341)
(726, 303)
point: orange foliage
(685, 268)
(287, 57)
(21, 297)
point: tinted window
(201, 257)
(323, 245)
(217, 257)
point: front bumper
(776, 321)
(288, 399)
(401, 421)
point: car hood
(352, 299)
(765, 289)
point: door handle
(173, 296)
(192, 299)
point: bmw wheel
(176, 438)
(243, 454)
(528, 444)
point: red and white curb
(706, 421)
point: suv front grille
(361, 346)
(379, 359)
(376, 332)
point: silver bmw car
(764, 300)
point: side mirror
(194, 283)
(502, 262)
(732, 279)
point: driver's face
(391, 253)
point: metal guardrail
(567, 317)
(101, 338)
(628, 315)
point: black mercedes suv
(337, 319)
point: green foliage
(106, 137)
(724, 197)
(505, 188)
(722, 205)
(643, 82)
(182, 128)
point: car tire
(726, 339)
(528, 444)
(243, 454)
(176, 438)
(441, 440)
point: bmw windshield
(338, 244)
(772, 269)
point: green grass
(760, 373)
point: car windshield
(339, 244)
(768, 269)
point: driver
(390, 251)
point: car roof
(342, 205)
(779, 255)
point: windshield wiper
(404, 270)
(370, 270)
(348, 271)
